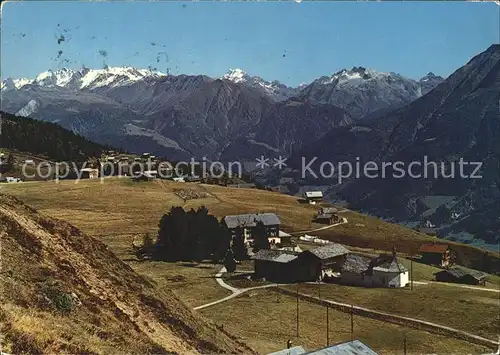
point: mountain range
(381, 117)
(237, 115)
(458, 119)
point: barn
(276, 265)
(435, 254)
(319, 262)
(461, 275)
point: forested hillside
(45, 138)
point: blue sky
(288, 41)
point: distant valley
(352, 113)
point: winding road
(344, 221)
(437, 328)
(235, 291)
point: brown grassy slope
(472, 311)
(274, 317)
(44, 261)
(117, 209)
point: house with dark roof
(276, 265)
(313, 196)
(326, 218)
(288, 266)
(89, 173)
(367, 271)
(322, 261)
(435, 254)
(328, 210)
(461, 275)
(248, 222)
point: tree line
(196, 235)
(46, 138)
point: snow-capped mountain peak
(274, 89)
(49, 78)
(361, 90)
(356, 75)
(429, 82)
(13, 84)
(431, 76)
(236, 76)
(84, 78)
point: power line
(297, 326)
(327, 326)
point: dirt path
(344, 221)
(235, 291)
(366, 312)
(456, 285)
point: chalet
(327, 218)
(276, 265)
(29, 161)
(322, 261)
(382, 271)
(283, 242)
(247, 222)
(89, 173)
(326, 210)
(461, 275)
(11, 179)
(313, 196)
(435, 254)
(389, 272)
(179, 179)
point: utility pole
(411, 272)
(319, 288)
(297, 326)
(404, 346)
(277, 295)
(352, 322)
(327, 326)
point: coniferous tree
(239, 248)
(229, 261)
(224, 243)
(259, 234)
(10, 164)
(172, 235)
